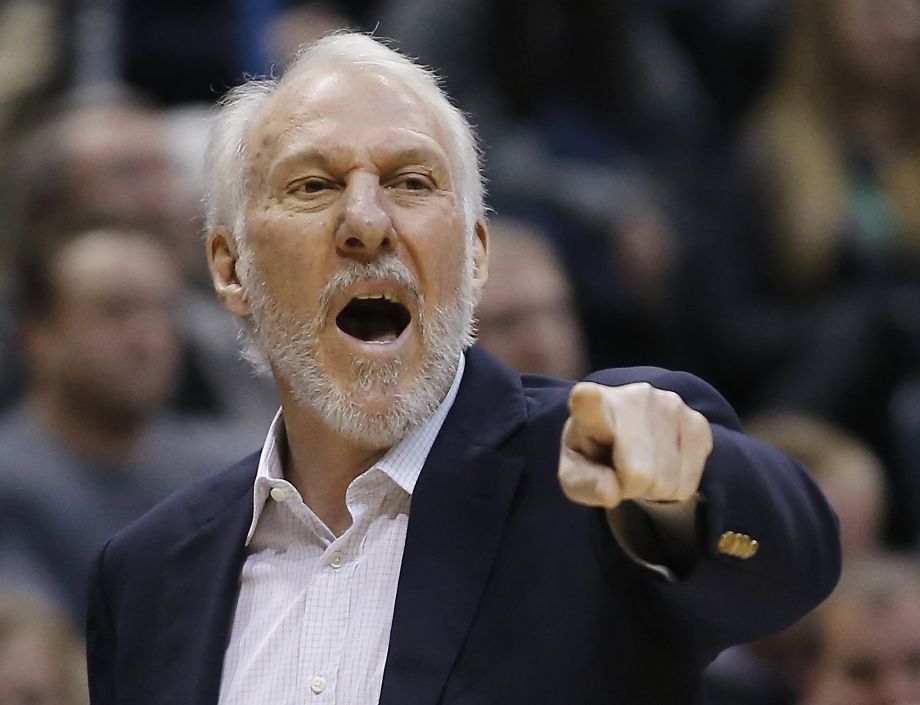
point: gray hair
(226, 167)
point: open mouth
(374, 318)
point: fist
(631, 442)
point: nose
(365, 231)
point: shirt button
(318, 684)
(278, 494)
(336, 560)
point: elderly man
(404, 536)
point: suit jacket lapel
(458, 513)
(201, 587)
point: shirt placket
(327, 609)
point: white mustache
(389, 269)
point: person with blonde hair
(840, 140)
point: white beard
(291, 349)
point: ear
(222, 261)
(480, 258)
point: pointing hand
(631, 442)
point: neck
(321, 464)
(93, 434)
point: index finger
(590, 430)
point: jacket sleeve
(734, 590)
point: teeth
(376, 297)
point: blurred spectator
(107, 155)
(868, 637)
(527, 315)
(840, 143)
(112, 159)
(41, 658)
(90, 447)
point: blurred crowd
(730, 188)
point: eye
(412, 182)
(313, 184)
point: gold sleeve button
(738, 545)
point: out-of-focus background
(722, 186)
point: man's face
(109, 343)
(871, 654)
(356, 264)
(526, 317)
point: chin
(379, 420)
(376, 405)
(377, 401)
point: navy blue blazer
(509, 594)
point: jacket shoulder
(697, 393)
(186, 510)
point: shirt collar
(402, 463)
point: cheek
(438, 249)
(450, 270)
(288, 253)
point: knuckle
(636, 479)
(671, 402)
(568, 470)
(700, 429)
(642, 390)
(634, 391)
(672, 399)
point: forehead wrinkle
(385, 149)
(326, 158)
(426, 149)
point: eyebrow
(384, 154)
